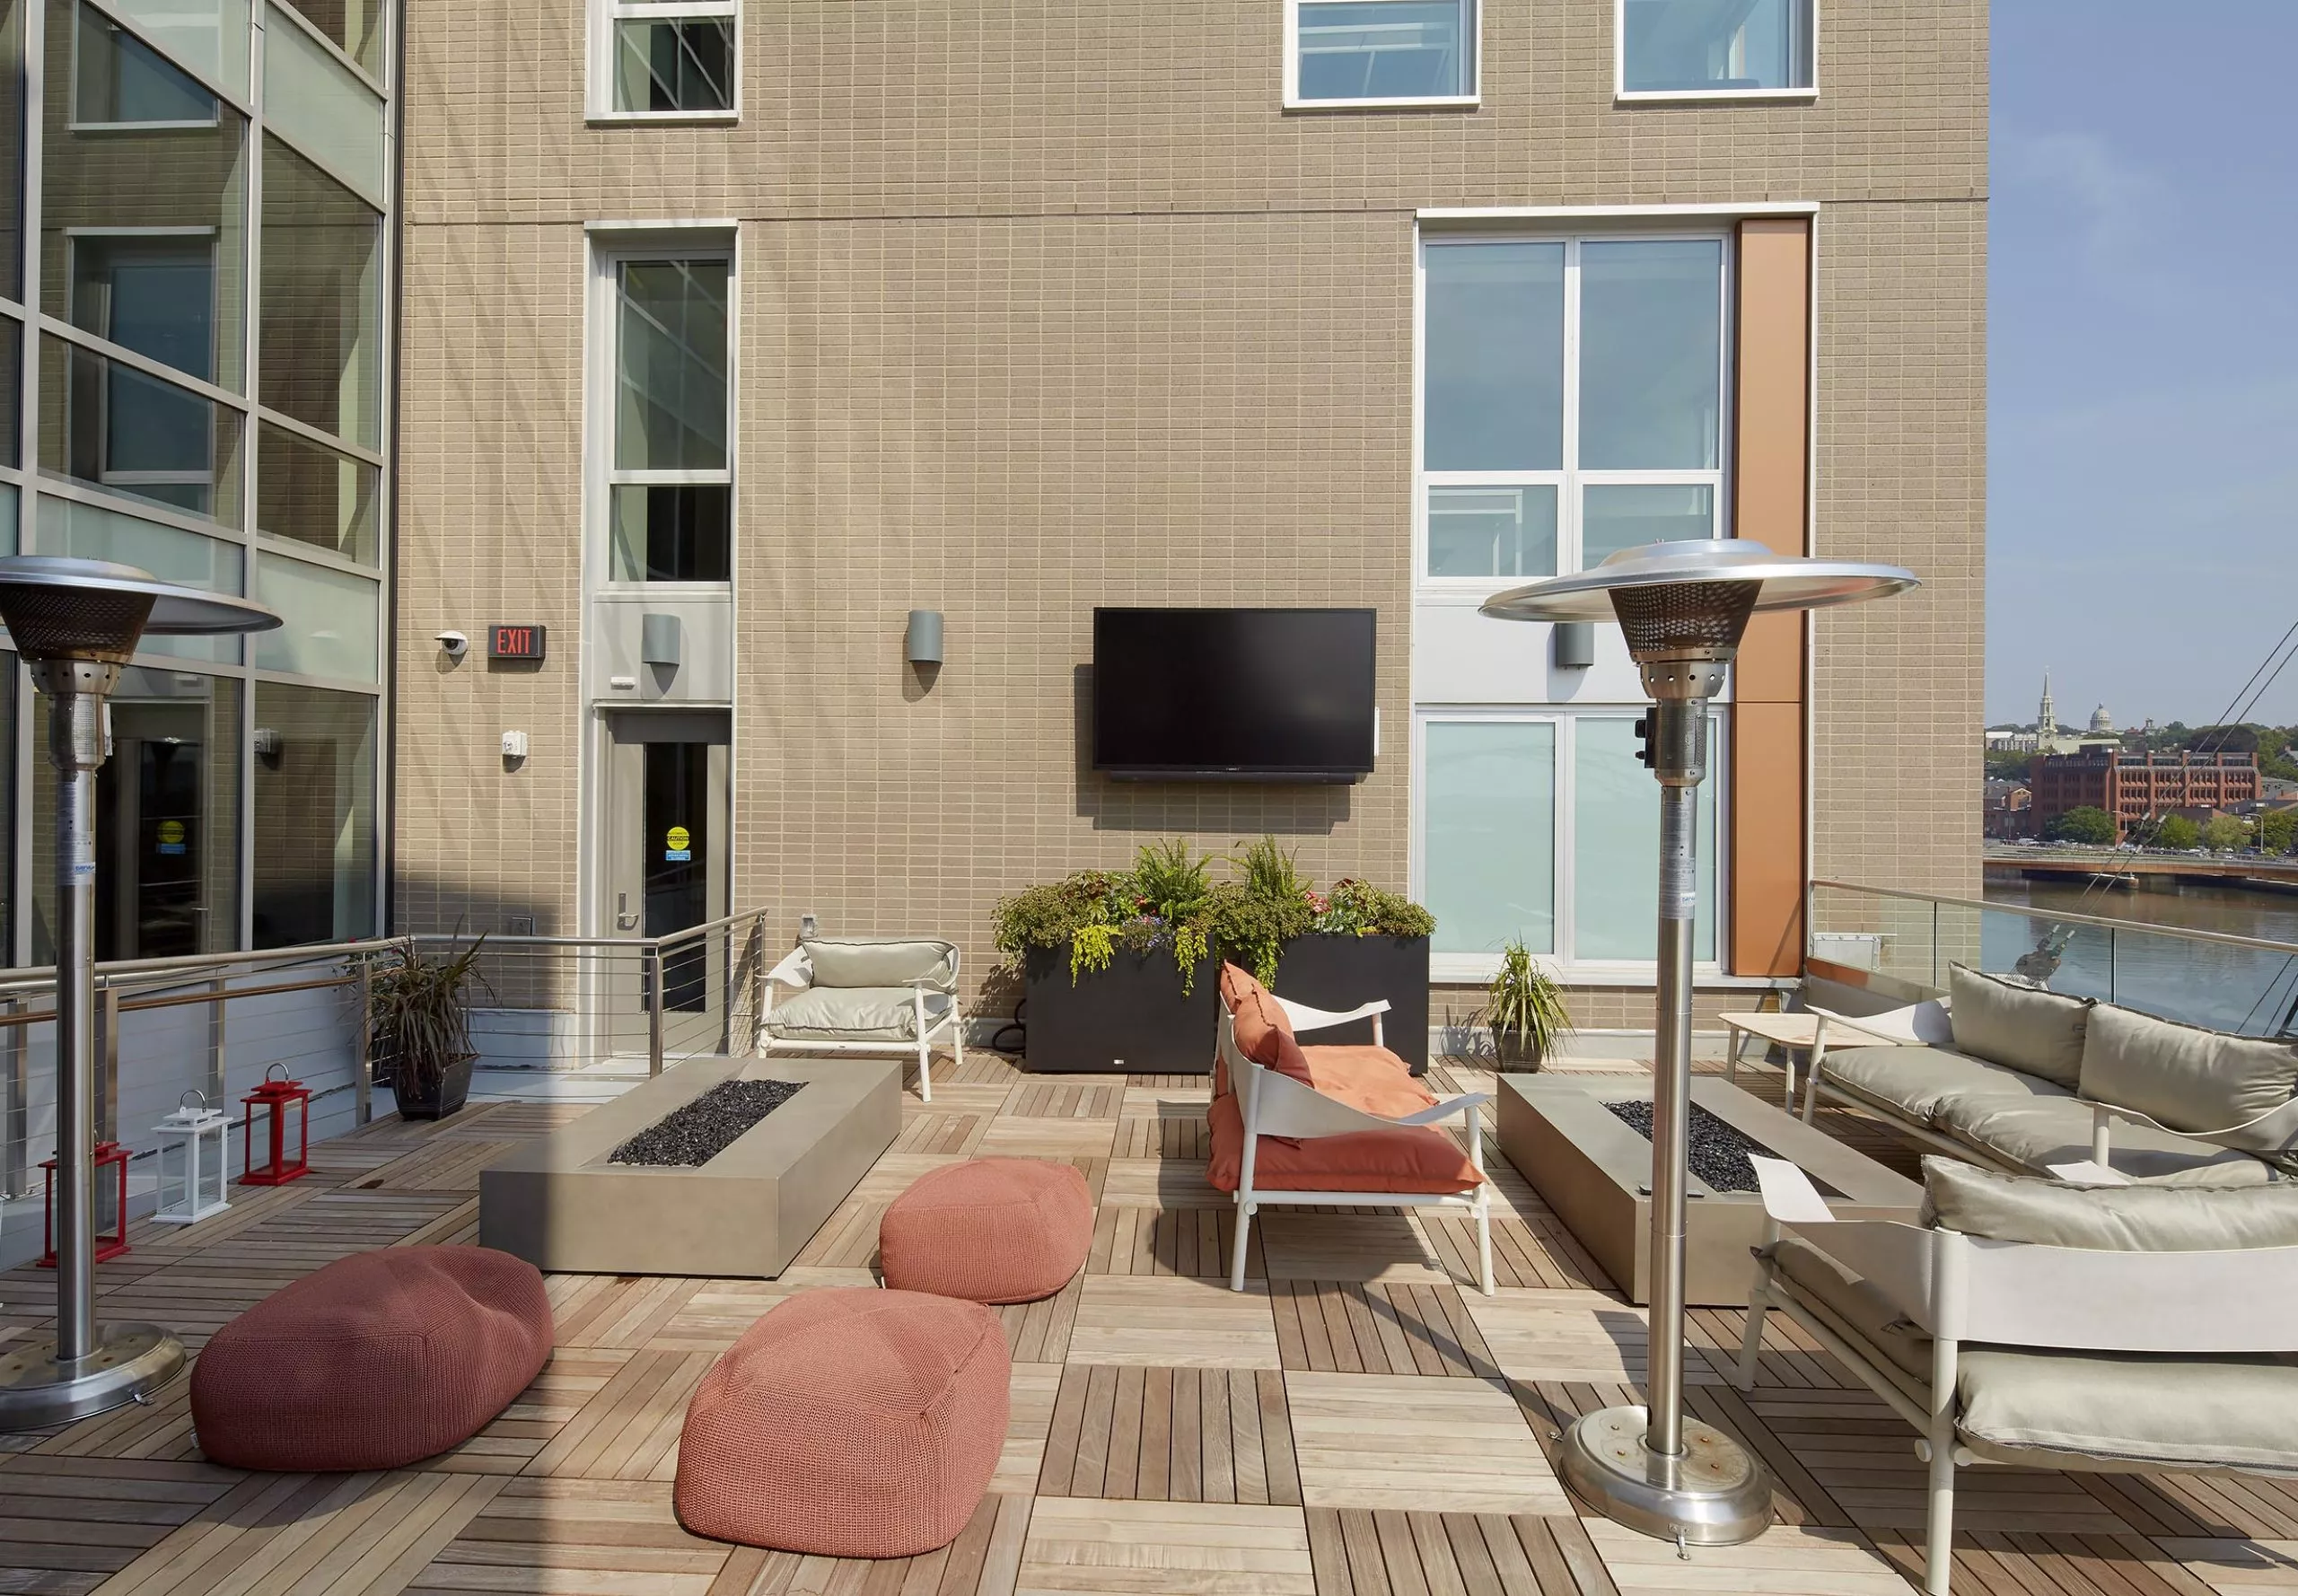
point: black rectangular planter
(1130, 1018)
(1340, 972)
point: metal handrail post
(363, 1047)
(107, 1063)
(15, 1127)
(218, 1038)
(654, 1008)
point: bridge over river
(2142, 872)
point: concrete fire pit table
(560, 1203)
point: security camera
(454, 643)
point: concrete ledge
(557, 1202)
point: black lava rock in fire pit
(690, 1136)
(1719, 1153)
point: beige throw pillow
(1962, 1197)
(867, 963)
(2193, 1080)
(2020, 1026)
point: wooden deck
(1355, 1424)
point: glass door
(665, 831)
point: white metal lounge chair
(866, 995)
(1274, 1104)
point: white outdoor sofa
(1274, 1104)
(866, 995)
(2122, 1327)
(2022, 1078)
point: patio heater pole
(75, 623)
(1684, 608)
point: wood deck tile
(1158, 1434)
(1417, 1442)
(1348, 1247)
(1162, 1183)
(2236, 1567)
(1567, 1336)
(1039, 1332)
(1150, 1319)
(1357, 1328)
(1784, 1561)
(1142, 1547)
(1191, 1241)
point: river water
(2247, 989)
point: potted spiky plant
(418, 1019)
(1524, 1011)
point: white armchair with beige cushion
(2116, 1328)
(866, 995)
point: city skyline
(2141, 403)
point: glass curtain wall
(203, 240)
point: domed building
(2102, 724)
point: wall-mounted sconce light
(922, 643)
(1576, 644)
(514, 745)
(269, 744)
(658, 639)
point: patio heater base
(130, 1362)
(1714, 1494)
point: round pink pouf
(990, 1230)
(848, 1423)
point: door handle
(624, 920)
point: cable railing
(217, 1023)
(2220, 979)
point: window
(1571, 402)
(320, 310)
(1380, 52)
(1541, 824)
(314, 815)
(1673, 47)
(669, 58)
(118, 81)
(669, 493)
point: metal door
(665, 837)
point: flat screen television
(1234, 695)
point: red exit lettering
(515, 642)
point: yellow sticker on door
(677, 846)
(172, 835)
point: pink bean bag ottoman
(847, 1424)
(990, 1230)
(376, 1361)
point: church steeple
(2045, 719)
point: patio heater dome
(1683, 607)
(76, 623)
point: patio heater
(75, 623)
(1684, 607)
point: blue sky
(2143, 405)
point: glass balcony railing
(2224, 979)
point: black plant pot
(1340, 972)
(445, 1094)
(1513, 1057)
(1129, 1018)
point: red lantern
(275, 1097)
(111, 1204)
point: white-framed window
(1572, 401)
(1539, 822)
(665, 60)
(1748, 50)
(1343, 53)
(661, 433)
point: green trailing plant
(1523, 1007)
(1169, 901)
(418, 1015)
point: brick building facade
(2136, 788)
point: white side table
(1794, 1033)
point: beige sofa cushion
(2128, 1410)
(1857, 1311)
(2023, 1027)
(2038, 1132)
(2192, 1079)
(1919, 1082)
(854, 1014)
(872, 961)
(2178, 1218)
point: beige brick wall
(1049, 307)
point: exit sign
(514, 643)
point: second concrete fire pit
(560, 1202)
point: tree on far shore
(2223, 833)
(2177, 833)
(2086, 823)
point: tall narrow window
(1715, 46)
(1381, 52)
(671, 488)
(664, 57)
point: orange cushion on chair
(847, 1422)
(1367, 1077)
(374, 1362)
(1415, 1158)
(991, 1229)
(1264, 1033)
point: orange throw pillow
(1264, 1034)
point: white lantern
(194, 1164)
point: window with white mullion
(670, 478)
(665, 58)
(1380, 52)
(1571, 402)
